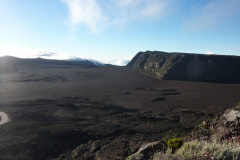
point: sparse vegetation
(207, 150)
(207, 142)
(175, 143)
(238, 105)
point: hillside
(188, 67)
(10, 64)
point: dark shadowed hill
(10, 64)
(188, 67)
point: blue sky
(109, 30)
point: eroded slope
(188, 67)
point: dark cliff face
(188, 67)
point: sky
(115, 30)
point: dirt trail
(3, 118)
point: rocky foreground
(214, 139)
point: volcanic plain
(84, 112)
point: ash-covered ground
(107, 112)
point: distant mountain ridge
(11, 64)
(104, 61)
(66, 57)
(188, 66)
(61, 56)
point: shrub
(175, 143)
(238, 105)
(206, 150)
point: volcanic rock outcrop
(188, 67)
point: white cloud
(55, 55)
(97, 16)
(117, 61)
(154, 8)
(21, 52)
(212, 14)
(86, 12)
(17, 51)
(209, 52)
(11, 50)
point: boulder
(147, 150)
(228, 124)
(86, 150)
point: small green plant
(238, 105)
(175, 143)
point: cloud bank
(15, 51)
(99, 14)
(86, 12)
(116, 61)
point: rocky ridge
(188, 67)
